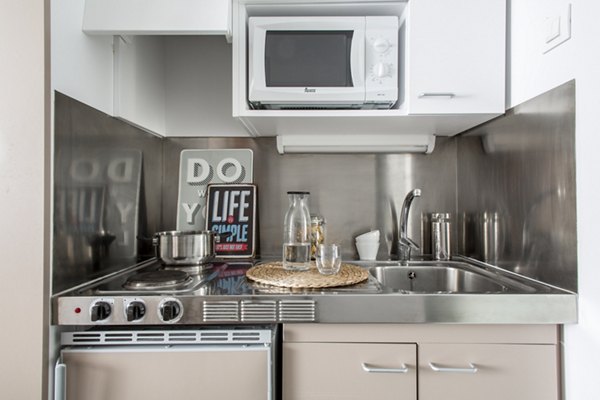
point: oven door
(158, 372)
(306, 60)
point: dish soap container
(297, 233)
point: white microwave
(323, 62)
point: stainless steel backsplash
(509, 184)
(516, 189)
(354, 192)
(107, 185)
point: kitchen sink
(445, 277)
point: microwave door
(309, 66)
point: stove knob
(170, 310)
(100, 311)
(135, 311)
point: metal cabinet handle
(471, 370)
(60, 381)
(377, 370)
(437, 94)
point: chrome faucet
(405, 244)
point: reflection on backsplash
(98, 198)
(98, 202)
(516, 192)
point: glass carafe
(296, 233)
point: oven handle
(60, 381)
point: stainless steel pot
(186, 248)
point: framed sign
(232, 208)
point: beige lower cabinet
(488, 371)
(424, 362)
(349, 371)
(177, 372)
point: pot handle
(153, 239)
(224, 235)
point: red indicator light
(77, 310)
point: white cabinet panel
(82, 65)
(333, 371)
(157, 17)
(456, 56)
(503, 371)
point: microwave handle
(357, 58)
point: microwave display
(308, 58)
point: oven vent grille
(151, 337)
(86, 337)
(214, 311)
(214, 336)
(118, 337)
(245, 336)
(253, 311)
(242, 336)
(297, 310)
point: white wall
(23, 128)
(199, 104)
(533, 73)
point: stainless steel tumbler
(440, 236)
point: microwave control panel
(381, 50)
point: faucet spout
(405, 244)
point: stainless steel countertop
(229, 298)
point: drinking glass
(328, 259)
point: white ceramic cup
(367, 240)
(367, 251)
(369, 236)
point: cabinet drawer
(321, 371)
(488, 371)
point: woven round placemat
(273, 274)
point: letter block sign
(232, 209)
(200, 167)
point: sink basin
(451, 277)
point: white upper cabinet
(157, 17)
(131, 62)
(456, 56)
(82, 65)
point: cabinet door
(82, 66)
(456, 56)
(488, 371)
(172, 373)
(332, 371)
(157, 17)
